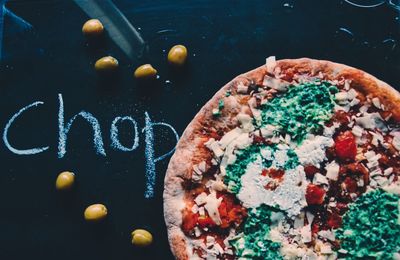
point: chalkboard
(45, 59)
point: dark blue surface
(224, 39)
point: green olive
(141, 238)
(95, 212)
(145, 71)
(92, 27)
(177, 55)
(107, 63)
(65, 180)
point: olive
(107, 63)
(95, 212)
(65, 180)
(141, 238)
(177, 55)
(145, 71)
(92, 27)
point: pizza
(297, 159)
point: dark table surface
(224, 38)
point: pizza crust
(191, 151)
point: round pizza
(297, 159)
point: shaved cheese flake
(326, 249)
(396, 142)
(332, 170)
(341, 97)
(376, 102)
(327, 234)
(229, 137)
(201, 199)
(320, 179)
(388, 171)
(274, 83)
(369, 120)
(351, 94)
(306, 233)
(213, 145)
(270, 63)
(299, 220)
(242, 89)
(246, 121)
(212, 204)
(268, 131)
(310, 217)
(357, 131)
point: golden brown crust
(190, 149)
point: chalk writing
(149, 152)
(63, 131)
(115, 143)
(7, 127)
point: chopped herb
(216, 112)
(370, 228)
(227, 93)
(301, 110)
(220, 104)
(254, 242)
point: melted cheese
(288, 196)
(312, 150)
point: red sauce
(273, 173)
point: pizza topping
(246, 122)
(396, 142)
(198, 170)
(301, 110)
(370, 227)
(255, 242)
(376, 102)
(211, 205)
(312, 150)
(270, 63)
(214, 147)
(315, 194)
(332, 171)
(275, 83)
(241, 88)
(345, 146)
(299, 161)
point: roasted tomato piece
(315, 195)
(341, 207)
(205, 221)
(345, 146)
(189, 221)
(350, 185)
(341, 117)
(334, 220)
(230, 212)
(310, 171)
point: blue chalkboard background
(224, 38)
